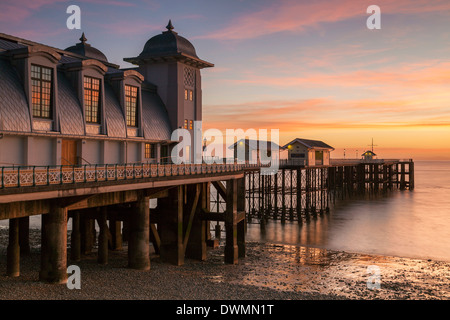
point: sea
(410, 224)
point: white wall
(12, 151)
(41, 151)
(113, 152)
(91, 151)
(326, 158)
(133, 152)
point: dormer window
(41, 88)
(92, 99)
(131, 105)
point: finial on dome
(83, 38)
(169, 26)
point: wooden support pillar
(275, 195)
(24, 235)
(402, 176)
(54, 245)
(210, 242)
(361, 177)
(139, 236)
(283, 194)
(102, 257)
(241, 225)
(391, 176)
(252, 194)
(385, 177)
(269, 195)
(194, 242)
(322, 190)
(262, 197)
(299, 195)
(307, 191)
(171, 249)
(231, 247)
(376, 177)
(314, 192)
(154, 237)
(75, 238)
(411, 175)
(13, 249)
(291, 207)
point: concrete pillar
(13, 249)
(24, 235)
(171, 221)
(102, 257)
(196, 246)
(54, 246)
(139, 236)
(125, 228)
(231, 247)
(75, 238)
(116, 233)
(88, 232)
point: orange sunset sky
(311, 69)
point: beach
(269, 271)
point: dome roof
(86, 50)
(168, 43)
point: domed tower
(170, 62)
(85, 49)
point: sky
(311, 69)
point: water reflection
(313, 232)
(283, 266)
(409, 224)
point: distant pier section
(298, 190)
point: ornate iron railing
(31, 176)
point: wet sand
(268, 272)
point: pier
(117, 198)
(297, 191)
(191, 198)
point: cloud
(297, 16)
(111, 3)
(18, 11)
(406, 75)
(15, 11)
(329, 113)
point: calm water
(412, 224)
